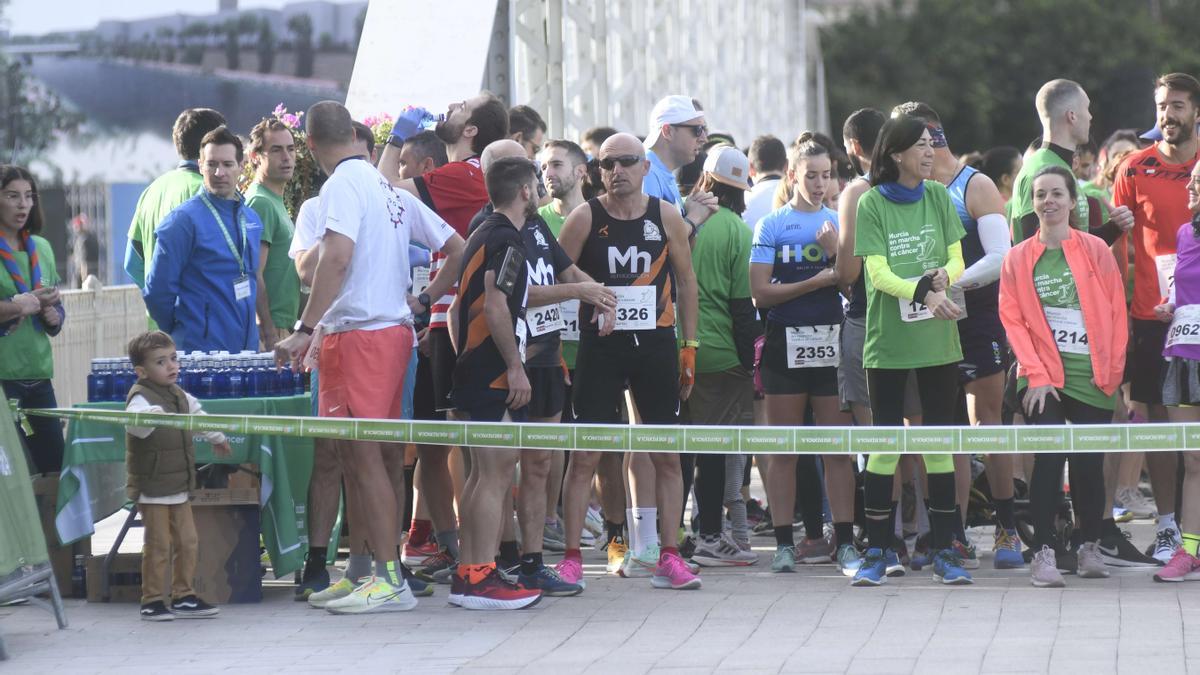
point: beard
(448, 132)
(564, 188)
(531, 209)
(1185, 131)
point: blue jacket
(190, 283)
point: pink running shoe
(570, 570)
(672, 572)
(1183, 566)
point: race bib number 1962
(1185, 327)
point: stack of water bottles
(205, 376)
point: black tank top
(628, 253)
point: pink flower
(279, 110)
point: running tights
(1087, 474)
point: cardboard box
(62, 558)
(228, 569)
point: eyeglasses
(607, 163)
(697, 129)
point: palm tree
(300, 25)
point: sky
(34, 17)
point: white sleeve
(195, 409)
(427, 227)
(305, 236)
(996, 240)
(342, 207)
(139, 404)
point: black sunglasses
(697, 129)
(607, 163)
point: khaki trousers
(170, 543)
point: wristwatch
(301, 328)
(396, 142)
(424, 300)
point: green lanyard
(241, 218)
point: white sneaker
(1165, 543)
(336, 591)
(640, 566)
(724, 552)
(1132, 500)
(594, 522)
(375, 595)
(586, 538)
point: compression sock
(1191, 543)
(943, 514)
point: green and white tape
(692, 439)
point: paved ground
(743, 620)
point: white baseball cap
(728, 165)
(673, 109)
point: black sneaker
(1117, 551)
(156, 611)
(191, 607)
(1066, 561)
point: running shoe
(755, 513)
(314, 584)
(1043, 571)
(1183, 566)
(1007, 550)
(617, 550)
(419, 588)
(672, 572)
(508, 572)
(723, 552)
(374, 595)
(156, 611)
(457, 584)
(687, 545)
(640, 566)
(848, 559)
(1068, 561)
(1132, 499)
(493, 593)
(895, 568)
(784, 560)
(1118, 551)
(1091, 564)
(337, 591)
(1165, 543)
(586, 539)
(948, 568)
(1121, 514)
(549, 583)
(553, 538)
(922, 555)
(417, 555)
(967, 554)
(814, 551)
(901, 550)
(872, 571)
(594, 522)
(439, 563)
(570, 570)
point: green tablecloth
(92, 482)
(21, 541)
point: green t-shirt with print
(25, 352)
(1055, 286)
(1022, 195)
(720, 259)
(914, 238)
(279, 273)
(569, 347)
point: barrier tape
(676, 439)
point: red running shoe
(493, 592)
(415, 556)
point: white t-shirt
(758, 201)
(359, 203)
(307, 233)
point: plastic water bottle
(428, 120)
(264, 380)
(207, 378)
(237, 376)
(221, 377)
(284, 382)
(297, 383)
(123, 379)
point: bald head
(1056, 97)
(621, 144)
(498, 149)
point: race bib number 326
(636, 307)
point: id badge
(241, 287)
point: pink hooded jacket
(1101, 300)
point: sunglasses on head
(607, 163)
(697, 129)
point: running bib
(570, 317)
(911, 310)
(545, 319)
(1066, 325)
(635, 307)
(420, 280)
(1166, 273)
(813, 346)
(1185, 327)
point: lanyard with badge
(241, 283)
